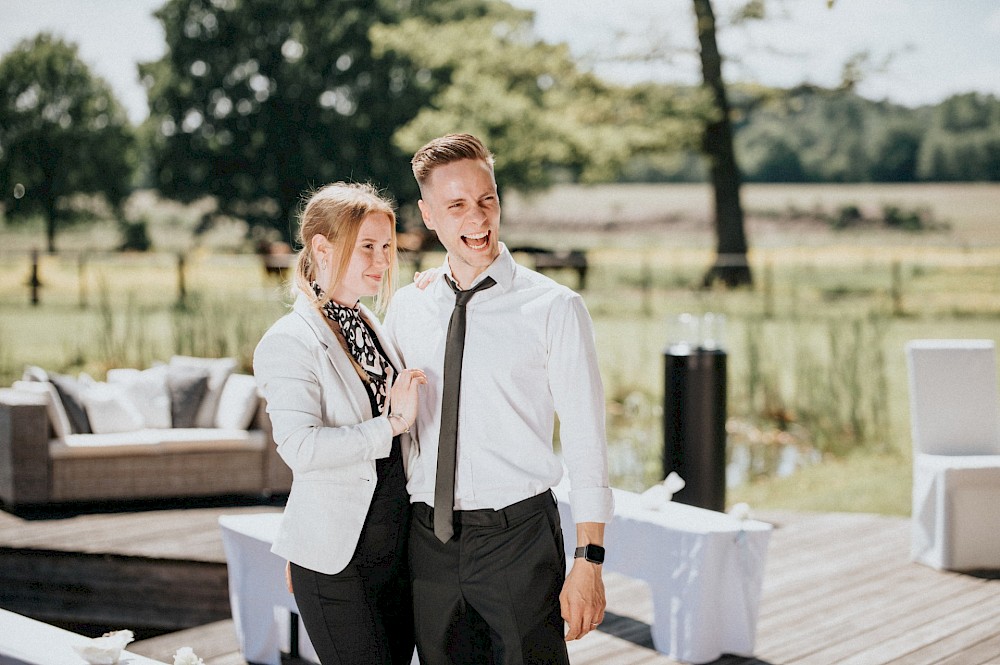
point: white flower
(187, 656)
(659, 495)
(104, 650)
(740, 511)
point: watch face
(592, 553)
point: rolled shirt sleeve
(578, 395)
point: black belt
(488, 516)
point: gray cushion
(219, 370)
(71, 392)
(187, 386)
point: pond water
(635, 448)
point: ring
(595, 624)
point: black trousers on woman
(363, 615)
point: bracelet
(406, 425)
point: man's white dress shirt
(529, 355)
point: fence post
(897, 288)
(768, 288)
(81, 276)
(181, 288)
(34, 282)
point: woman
(341, 417)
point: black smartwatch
(592, 553)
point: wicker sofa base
(154, 477)
(36, 469)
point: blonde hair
(336, 212)
(445, 150)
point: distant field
(679, 214)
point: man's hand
(424, 279)
(582, 599)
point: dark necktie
(444, 485)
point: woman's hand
(404, 398)
(288, 576)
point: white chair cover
(955, 425)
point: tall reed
(124, 338)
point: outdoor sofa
(192, 427)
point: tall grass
(815, 350)
(123, 339)
(218, 328)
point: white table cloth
(705, 570)
(956, 524)
(261, 603)
(24, 641)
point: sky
(921, 51)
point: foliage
(62, 132)
(256, 101)
(963, 140)
(810, 134)
(814, 135)
(529, 101)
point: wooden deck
(838, 588)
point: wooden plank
(984, 652)
(937, 628)
(844, 598)
(957, 643)
(872, 631)
(831, 630)
(112, 589)
(191, 534)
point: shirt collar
(501, 270)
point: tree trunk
(731, 267)
(50, 224)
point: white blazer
(326, 433)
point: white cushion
(54, 406)
(219, 370)
(110, 409)
(148, 391)
(238, 402)
(155, 442)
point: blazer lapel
(338, 356)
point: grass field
(815, 348)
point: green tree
(530, 103)
(963, 140)
(895, 158)
(62, 132)
(257, 101)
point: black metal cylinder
(694, 424)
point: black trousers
(363, 614)
(490, 595)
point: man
(489, 579)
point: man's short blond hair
(445, 150)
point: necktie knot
(462, 297)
